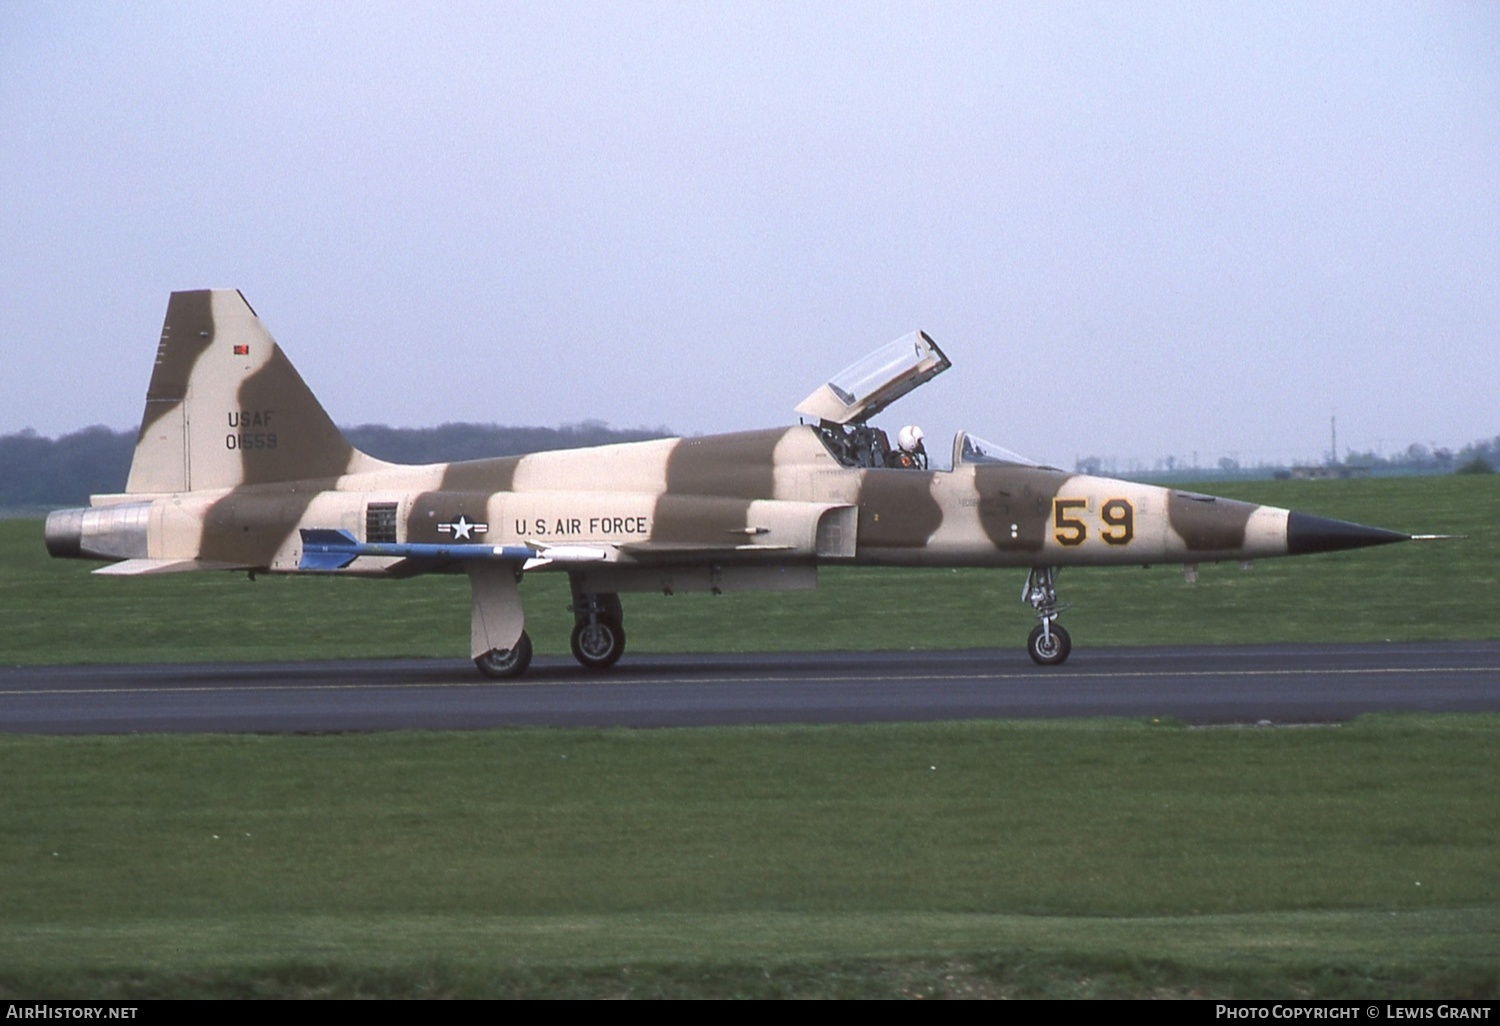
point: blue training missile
(332, 549)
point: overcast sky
(1136, 229)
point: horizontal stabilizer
(137, 567)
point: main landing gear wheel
(1048, 646)
(598, 645)
(504, 663)
(598, 637)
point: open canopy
(862, 390)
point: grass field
(1080, 858)
(1083, 858)
(56, 612)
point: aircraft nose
(1307, 534)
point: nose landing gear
(1048, 644)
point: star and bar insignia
(462, 528)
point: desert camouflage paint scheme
(238, 467)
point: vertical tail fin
(226, 408)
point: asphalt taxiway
(1281, 684)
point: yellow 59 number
(1116, 521)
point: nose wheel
(1048, 644)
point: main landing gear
(1048, 644)
(496, 617)
(503, 663)
(598, 630)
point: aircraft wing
(675, 551)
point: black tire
(598, 647)
(1044, 654)
(505, 663)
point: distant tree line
(1482, 457)
(39, 472)
(1475, 458)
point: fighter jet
(238, 467)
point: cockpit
(844, 404)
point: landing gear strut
(1048, 644)
(598, 631)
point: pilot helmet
(910, 438)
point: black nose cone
(1306, 534)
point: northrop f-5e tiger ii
(238, 467)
